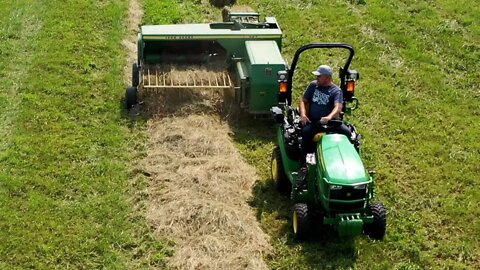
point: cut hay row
(198, 195)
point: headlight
(335, 187)
(282, 75)
(364, 186)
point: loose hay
(185, 101)
(200, 185)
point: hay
(200, 185)
(190, 75)
(185, 101)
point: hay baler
(244, 52)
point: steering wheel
(331, 124)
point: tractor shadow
(324, 249)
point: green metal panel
(233, 41)
(348, 224)
(289, 165)
(340, 160)
(264, 61)
(205, 31)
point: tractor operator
(321, 102)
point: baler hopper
(243, 53)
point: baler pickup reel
(157, 78)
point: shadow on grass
(324, 249)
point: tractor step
(157, 77)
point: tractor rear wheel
(279, 177)
(301, 221)
(135, 75)
(378, 227)
(131, 97)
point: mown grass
(419, 113)
(66, 200)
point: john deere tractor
(336, 188)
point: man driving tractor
(321, 102)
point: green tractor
(336, 187)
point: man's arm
(335, 113)
(303, 110)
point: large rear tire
(301, 221)
(378, 228)
(135, 75)
(131, 97)
(279, 177)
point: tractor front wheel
(301, 221)
(279, 177)
(131, 97)
(378, 228)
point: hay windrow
(200, 184)
(186, 101)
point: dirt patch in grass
(134, 20)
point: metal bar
(216, 79)
(229, 80)
(184, 86)
(148, 71)
(156, 76)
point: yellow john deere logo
(349, 194)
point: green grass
(66, 200)
(66, 152)
(419, 111)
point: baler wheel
(135, 75)
(131, 97)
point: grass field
(419, 105)
(67, 199)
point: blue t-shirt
(322, 99)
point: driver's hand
(324, 120)
(304, 119)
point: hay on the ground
(199, 189)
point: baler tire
(280, 180)
(376, 229)
(301, 221)
(131, 97)
(135, 75)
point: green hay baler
(244, 51)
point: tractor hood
(340, 161)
